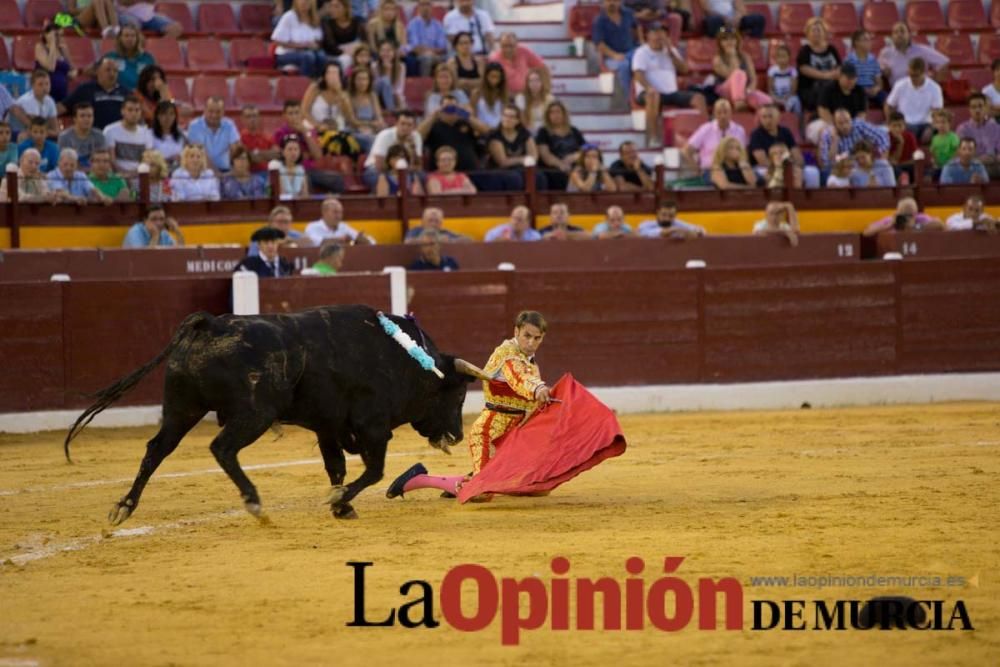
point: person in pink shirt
(516, 61)
(700, 146)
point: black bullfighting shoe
(396, 488)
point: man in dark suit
(268, 264)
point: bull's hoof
(442, 445)
(257, 512)
(343, 512)
(337, 494)
(120, 511)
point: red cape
(556, 444)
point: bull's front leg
(373, 443)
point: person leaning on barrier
(907, 218)
(666, 225)
(331, 228)
(70, 185)
(431, 258)
(614, 227)
(518, 229)
(105, 180)
(268, 263)
(280, 218)
(779, 219)
(432, 220)
(157, 229)
(560, 228)
(331, 258)
(31, 184)
(972, 216)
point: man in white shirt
(972, 216)
(667, 226)
(331, 228)
(404, 133)
(655, 66)
(466, 18)
(127, 139)
(915, 97)
(37, 102)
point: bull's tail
(106, 397)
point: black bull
(331, 370)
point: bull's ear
(464, 367)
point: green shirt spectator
(105, 180)
(943, 148)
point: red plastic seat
(977, 78)
(414, 91)
(243, 49)
(210, 85)
(24, 52)
(10, 17)
(958, 48)
(81, 51)
(217, 18)
(764, 10)
(879, 17)
(924, 16)
(792, 17)
(179, 12)
(4, 56)
(995, 15)
(179, 89)
(755, 49)
(205, 54)
(167, 53)
(254, 90)
(38, 12)
(678, 128)
(256, 18)
(700, 53)
(966, 14)
(581, 19)
(841, 17)
(438, 12)
(290, 88)
(989, 46)
(791, 121)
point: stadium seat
(977, 78)
(290, 88)
(764, 10)
(924, 16)
(10, 17)
(995, 14)
(205, 54)
(755, 49)
(4, 56)
(879, 17)
(106, 45)
(179, 89)
(438, 12)
(581, 19)
(250, 52)
(746, 119)
(958, 48)
(841, 17)
(24, 52)
(792, 17)
(38, 12)
(81, 51)
(989, 46)
(217, 18)
(966, 15)
(414, 90)
(700, 53)
(208, 85)
(681, 126)
(167, 53)
(254, 90)
(255, 18)
(177, 11)
(791, 121)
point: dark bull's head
(442, 421)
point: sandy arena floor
(191, 579)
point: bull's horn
(463, 366)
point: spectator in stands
(895, 58)
(631, 174)
(95, 13)
(261, 146)
(403, 133)
(159, 176)
(902, 145)
(295, 125)
(731, 169)
(535, 98)
(560, 145)
(972, 216)
(516, 61)
(32, 187)
(298, 37)
(194, 180)
(363, 9)
(614, 226)
(104, 93)
(331, 259)
(431, 258)
(778, 156)
(477, 22)
(427, 41)
(589, 174)
(70, 185)
(18, 117)
(444, 83)
(324, 101)
(613, 36)
(104, 179)
(818, 62)
(560, 228)
(390, 77)
(489, 100)
(37, 103)
(432, 220)
(864, 174)
(52, 56)
(156, 229)
(731, 13)
(992, 91)
(466, 66)
(780, 219)
(845, 133)
(907, 217)
(844, 93)
(769, 132)
(8, 149)
(167, 136)
(655, 66)
(144, 16)
(386, 26)
(944, 144)
(241, 182)
(512, 148)
(362, 59)
(216, 133)
(127, 138)
(666, 225)
(331, 228)
(735, 74)
(152, 89)
(518, 229)
(866, 65)
(342, 32)
(986, 133)
(268, 262)
(783, 80)
(388, 179)
(965, 169)
(280, 218)
(292, 175)
(81, 136)
(445, 180)
(840, 174)
(915, 97)
(364, 113)
(130, 56)
(37, 139)
(700, 147)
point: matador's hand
(542, 394)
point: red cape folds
(556, 444)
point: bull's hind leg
(240, 431)
(175, 426)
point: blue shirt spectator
(619, 37)
(956, 173)
(138, 237)
(216, 133)
(429, 34)
(49, 152)
(845, 133)
(363, 8)
(78, 185)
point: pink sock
(449, 484)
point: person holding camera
(907, 218)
